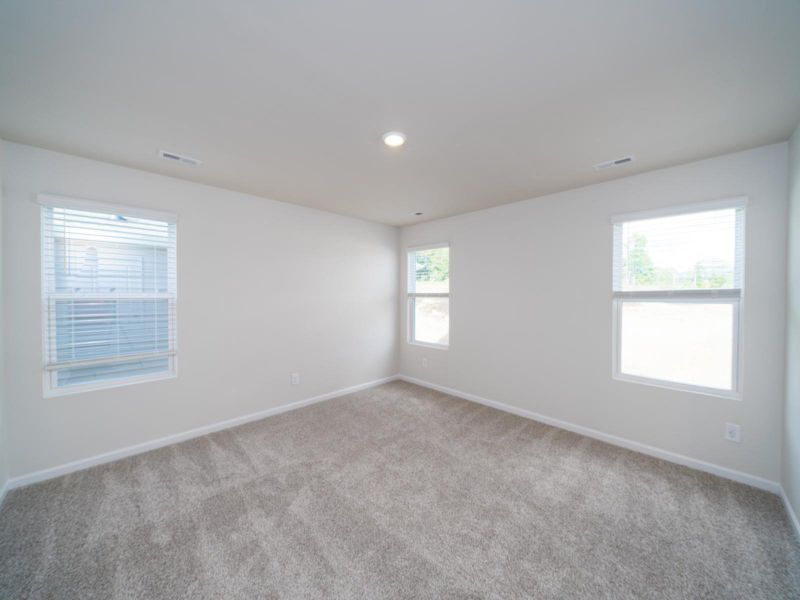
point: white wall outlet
(733, 432)
(295, 378)
(424, 362)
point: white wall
(4, 430)
(264, 289)
(303, 290)
(531, 311)
(791, 448)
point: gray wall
(264, 289)
(531, 319)
(791, 447)
(4, 430)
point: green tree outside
(641, 272)
(638, 264)
(433, 265)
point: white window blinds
(109, 295)
(693, 251)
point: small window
(109, 295)
(678, 285)
(429, 296)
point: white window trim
(410, 296)
(50, 389)
(734, 297)
(681, 209)
(47, 199)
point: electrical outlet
(424, 362)
(295, 378)
(733, 432)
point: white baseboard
(4, 490)
(100, 459)
(792, 514)
(739, 476)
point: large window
(429, 295)
(109, 294)
(678, 284)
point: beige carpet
(395, 492)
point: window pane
(689, 251)
(109, 283)
(431, 320)
(429, 271)
(689, 343)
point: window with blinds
(429, 296)
(109, 295)
(678, 283)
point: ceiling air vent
(179, 158)
(613, 163)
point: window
(678, 284)
(429, 296)
(109, 294)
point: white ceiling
(501, 100)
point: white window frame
(734, 297)
(412, 296)
(50, 372)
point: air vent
(179, 158)
(613, 163)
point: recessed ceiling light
(394, 139)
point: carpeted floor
(395, 492)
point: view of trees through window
(641, 272)
(432, 271)
(684, 340)
(680, 252)
(429, 271)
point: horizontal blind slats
(109, 284)
(688, 251)
(129, 359)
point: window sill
(678, 387)
(93, 387)
(426, 345)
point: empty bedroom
(371, 299)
